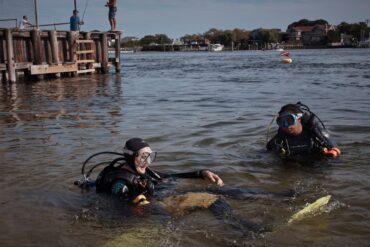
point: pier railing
(10, 20)
(40, 52)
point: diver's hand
(333, 152)
(214, 178)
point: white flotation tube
(286, 60)
(316, 208)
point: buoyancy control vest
(137, 184)
(286, 145)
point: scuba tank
(313, 123)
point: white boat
(113, 51)
(127, 50)
(217, 47)
(365, 43)
(203, 48)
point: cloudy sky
(179, 17)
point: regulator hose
(85, 181)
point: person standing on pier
(25, 24)
(112, 5)
(75, 21)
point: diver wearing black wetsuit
(129, 175)
(301, 132)
(125, 181)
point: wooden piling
(48, 53)
(54, 46)
(105, 57)
(37, 47)
(72, 43)
(10, 56)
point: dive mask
(147, 158)
(288, 120)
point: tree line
(241, 38)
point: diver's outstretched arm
(204, 174)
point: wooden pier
(34, 53)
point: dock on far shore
(35, 53)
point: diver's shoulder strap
(309, 120)
(109, 174)
(317, 128)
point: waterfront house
(309, 35)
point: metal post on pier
(36, 14)
(75, 2)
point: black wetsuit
(126, 182)
(310, 141)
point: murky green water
(198, 110)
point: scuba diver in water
(130, 177)
(301, 132)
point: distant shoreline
(228, 49)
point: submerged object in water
(287, 60)
(181, 204)
(312, 209)
(139, 236)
